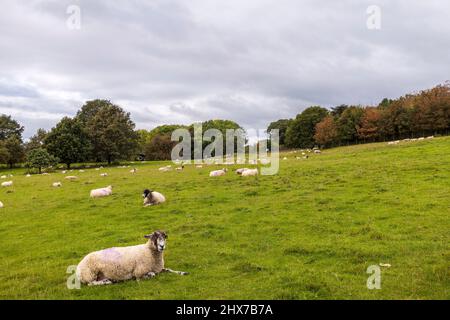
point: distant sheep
(103, 174)
(239, 171)
(71, 178)
(317, 151)
(250, 172)
(1, 205)
(57, 184)
(133, 171)
(180, 168)
(218, 173)
(102, 192)
(152, 198)
(7, 184)
(125, 263)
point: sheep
(64, 171)
(218, 173)
(1, 205)
(103, 174)
(102, 192)
(133, 171)
(180, 168)
(317, 151)
(125, 263)
(152, 198)
(7, 184)
(71, 178)
(430, 137)
(57, 184)
(3, 177)
(199, 166)
(28, 175)
(81, 171)
(249, 172)
(239, 171)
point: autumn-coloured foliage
(326, 132)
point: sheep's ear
(149, 236)
(164, 234)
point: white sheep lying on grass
(152, 198)
(125, 263)
(250, 172)
(7, 184)
(103, 174)
(57, 184)
(239, 171)
(218, 173)
(102, 192)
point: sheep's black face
(158, 239)
(146, 193)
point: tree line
(413, 115)
(100, 132)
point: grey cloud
(254, 61)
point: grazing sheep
(125, 263)
(1, 205)
(103, 174)
(152, 198)
(180, 168)
(421, 138)
(250, 172)
(430, 137)
(7, 184)
(28, 175)
(57, 184)
(102, 192)
(133, 171)
(317, 151)
(218, 173)
(239, 171)
(71, 178)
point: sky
(179, 62)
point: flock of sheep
(409, 140)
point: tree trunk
(68, 166)
(40, 170)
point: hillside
(309, 232)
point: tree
(369, 125)
(300, 132)
(337, 111)
(90, 109)
(36, 141)
(111, 132)
(40, 158)
(348, 123)
(326, 132)
(9, 127)
(282, 126)
(15, 150)
(160, 147)
(68, 141)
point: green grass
(309, 232)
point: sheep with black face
(152, 198)
(125, 263)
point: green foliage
(15, 150)
(300, 132)
(159, 148)
(348, 123)
(68, 141)
(40, 158)
(110, 130)
(9, 127)
(282, 126)
(36, 141)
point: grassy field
(309, 232)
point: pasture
(309, 232)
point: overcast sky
(252, 61)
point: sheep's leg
(100, 282)
(181, 273)
(149, 275)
